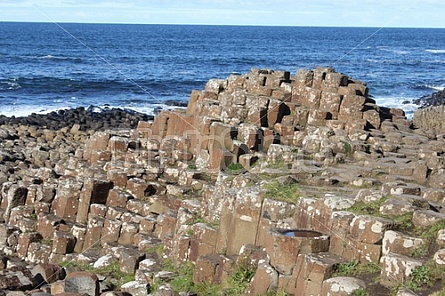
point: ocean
(47, 66)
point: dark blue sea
(48, 66)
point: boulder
(342, 286)
(17, 279)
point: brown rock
(399, 243)
(369, 229)
(342, 286)
(17, 279)
(129, 260)
(205, 268)
(82, 282)
(48, 273)
(396, 269)
(311, 271)
(264, 281)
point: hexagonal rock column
(311, 271)
(283, 246)
(264, 281)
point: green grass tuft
(283, 192)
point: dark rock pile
(435, 99)
(90, 118)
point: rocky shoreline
(267, 184)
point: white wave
(9, 85)
(47, 57)
(19, 111)
(397, 102)
(436, 51)
(438, 88)
(396, 51)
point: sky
(354, 13)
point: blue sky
(368, 13)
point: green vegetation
(368, 208)
(353, 268)
(360, 292)
(235, 168)
(283, 192)
(420, 277)
(430, 233)
(348, 147)
(424, 277)
(347, 269)
(183, 280)
(239, 281)
(157, 250)
(277, 164)
(47, 241)
(419, 252)
(373, 209)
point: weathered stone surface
(341, 286)
(311, 271)
(66, 202)
(284, 246)
(399, 243)
(82, 282)
(93, 232)
(17, 279)
(94, 191)
(38, 253)
(205, 268)
(265, 280)
(48, 273)
(129, 260)
(369, 229)
(426, 218)
(136, 288)
(63, 243)
(396, 269)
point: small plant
(348, 148)
(360, 292)
(353, 268)
(368, 208)
(184, 281)
(47, 241)
(239, 281)
(235, 168)
(419, 252)
(157, 250)
(367, 268)
(283, 192)
(347, 269)
(207, 289)
(405, 221)
(196, 218)
(431, 232)
(420, 278)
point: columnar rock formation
(115, 195)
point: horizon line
(218, 25)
